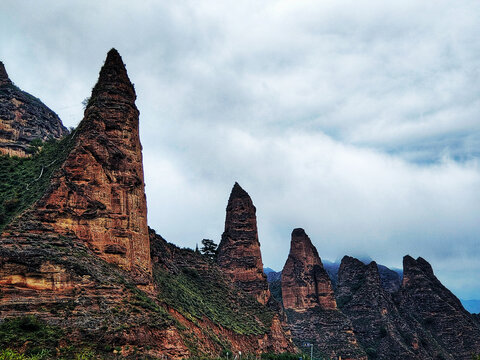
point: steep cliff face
(305, 283)
(310, 304)
(426, 303)
(98, 193)
(24, 118)
(379, 327)
(239, 254)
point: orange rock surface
(239, 253)
(305, 283)
(98, 193)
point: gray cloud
(355, 120)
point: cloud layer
(355, 120)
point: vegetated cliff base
(24, 118)
(420, 319)
(81, 257)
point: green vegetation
(196, 295)
(158, 317)
(34, 335)
(24, 180)
(209, 249)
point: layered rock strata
(24, 118)
(310, 303)
(98, 194)
(429, 305)
(305, 283)
(239, 253)
(379, 327)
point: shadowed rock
(24, 118)
(379, 327)
(429, 305)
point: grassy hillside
(24, 180)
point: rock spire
(305, 283)
(239, 253)
(4, 79)
(98, 193)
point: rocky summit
(239, 253)
(98, 192)
(379, 327)
(23, 119)
(431, 307)
(310, 303)
(305, 283)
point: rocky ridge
(82, 258)
(24, 118)
(430, 306)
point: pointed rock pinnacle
(4, 79)
(113, 81)
(239, 253)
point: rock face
(426, 303)
(310, 304)
(24, 118)
(239, 253)
(379, 327)
(98, 193)
(305, 283)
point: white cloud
(357, 120)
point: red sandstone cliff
(239, 253)
(76, 256)
(24, 118)
(98, 193)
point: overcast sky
(356, 120)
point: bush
(31, 333)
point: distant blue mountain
(472, 306)
(268, 270)
(272, 275)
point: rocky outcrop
(24, 118)
(98, 193)
(239, 254)
(379, 327)
(310, 304)
(305, 283)
(429, 305)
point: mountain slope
(24, 118)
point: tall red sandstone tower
(98, 194)
(239, 253)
